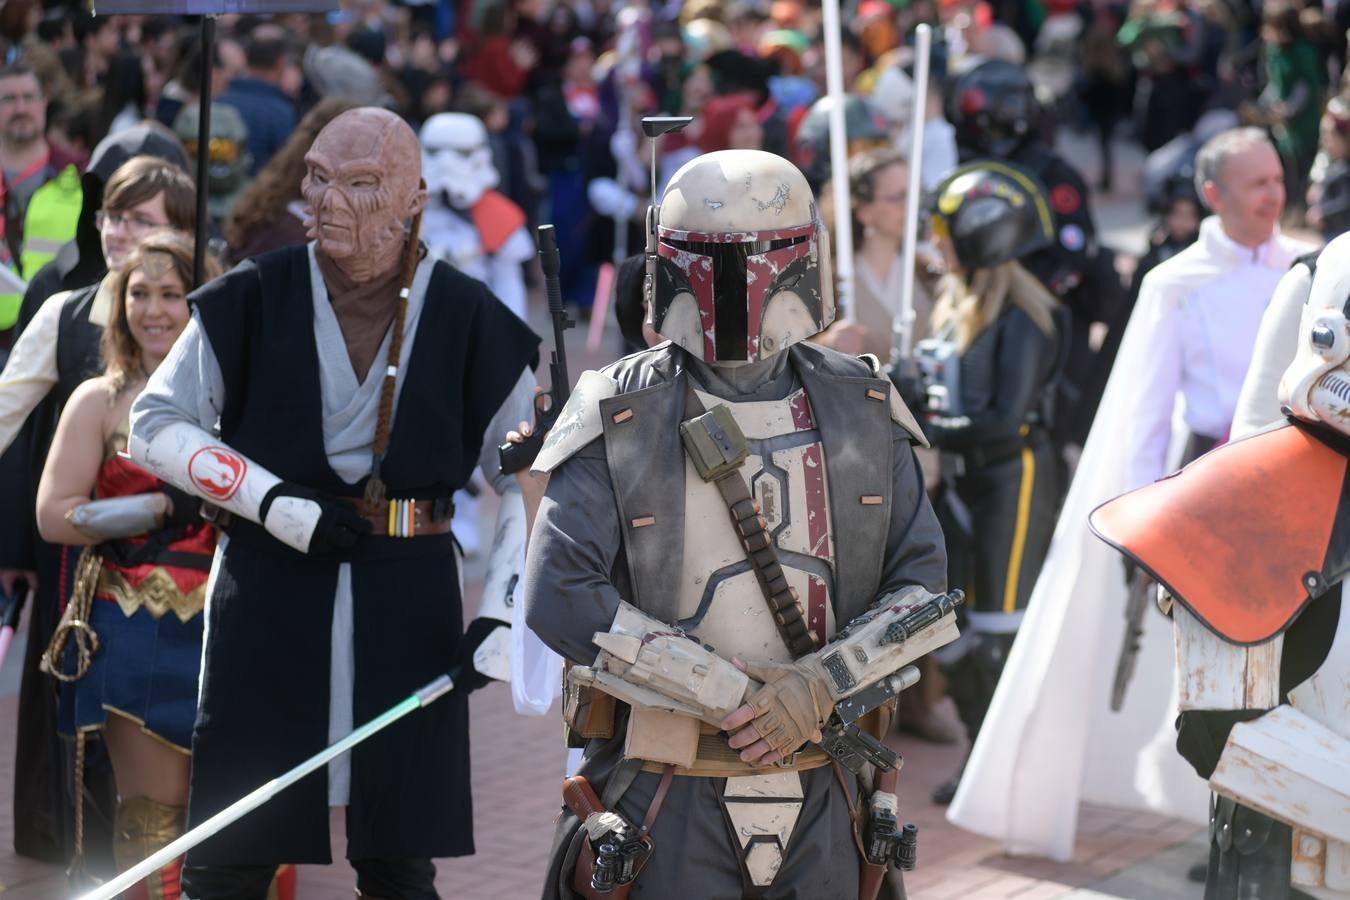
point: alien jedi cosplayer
(330, 398)
(634, 548)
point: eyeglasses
(114, 220)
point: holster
(581, 877)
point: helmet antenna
(653, 127)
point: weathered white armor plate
(579, 422)
(763, 810)
(1292, 768)
(720, 597)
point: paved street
(518, 765)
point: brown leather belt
(405, 518)
(717, 760)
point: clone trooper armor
(1249, 542)
(634, 553)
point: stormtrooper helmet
(1316, 386)
(456, 158)
(737, 262)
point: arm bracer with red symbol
(191, 458)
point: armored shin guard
(142, 827)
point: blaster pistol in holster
(613, 851)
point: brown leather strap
(420, 516)
(759, 549)
(658, 798)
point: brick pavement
(517, 767)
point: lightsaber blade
(842, 257)
(903, 327)
(424, 696)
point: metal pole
(203, 147)
(242, 807)
(903, 325)
(843, 217)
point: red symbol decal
(1064, 199)
(218, 472)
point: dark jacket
(268, 113)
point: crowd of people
(520, 112)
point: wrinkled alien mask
(362, 184)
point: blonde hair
(121, 354)
(968, 306)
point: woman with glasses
(128, 648)
(878, 183)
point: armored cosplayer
(1249, 543)
(328, 400)
(720, 507)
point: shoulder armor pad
(901, 416)
(579, 422)
(872, 363)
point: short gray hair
(1209, 161)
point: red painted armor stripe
(817, 534)
(802, 419)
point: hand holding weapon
(516, 457)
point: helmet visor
(732, 276)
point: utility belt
(407, 518)
(427, 520)
(1030, 435)
(716, 759)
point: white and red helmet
(738, 264)
(1316, 386)
(456, 158)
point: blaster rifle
(1138, 590)
(518, 457)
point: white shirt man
(1050, 738)
(1201, 309)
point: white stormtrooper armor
(466, 222)
(456, 158)
(1291, 763)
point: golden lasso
(75, 622)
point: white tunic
(1050, 739)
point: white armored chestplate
(720, 597)
(454, 239)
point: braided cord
(374, 493)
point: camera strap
(701, 429)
